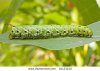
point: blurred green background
(40, 12)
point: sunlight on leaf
(98, 2)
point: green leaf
(58, 43)
(55, 17)
(88, 9)
(8, 13)
(4, 5)
(88, 56)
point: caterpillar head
(14, 33)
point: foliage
(57, 43)
(50, 12)
(89, 10)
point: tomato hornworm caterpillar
(49, 31)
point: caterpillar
(49, 31)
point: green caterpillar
(49, 31)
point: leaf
(57, 43)
(4, 4)
(8, 8)
(88, 9)
(9, 12)
(55, 17)
(88, 56)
